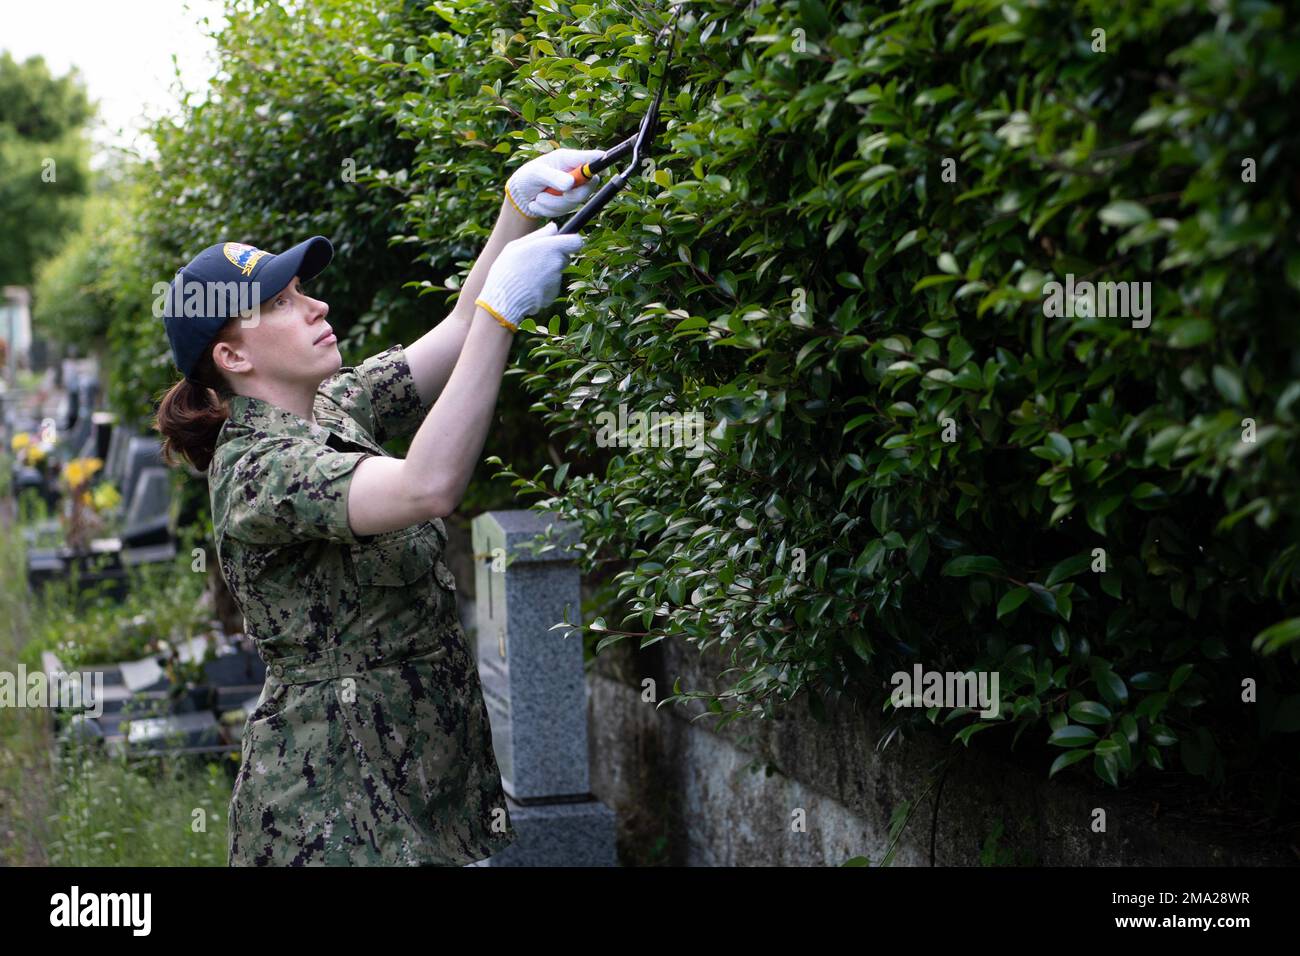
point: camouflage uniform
(370, 744)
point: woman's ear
(231, 358)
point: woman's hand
(526, 275)
(526, 188)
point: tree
(74, 295)
(43, 162)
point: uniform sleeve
(285, 490)
(395, 404)
(379, 395)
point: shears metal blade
(637, 144)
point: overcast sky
(123, 49)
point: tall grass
(83, 626)
(77, 806)
(161, 812)
(25, 736)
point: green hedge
(801, 271)
(75, 293)
(867, 338)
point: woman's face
(286, 344)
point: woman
(370, 743)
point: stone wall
(793, 791)
(690, 793)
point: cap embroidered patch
(244, 256)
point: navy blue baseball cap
(225, 281)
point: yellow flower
(78, 471)
(20, 441)
(105, 496)
(35, 454)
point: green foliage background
(796, 268)
(44, 157)
(75, 294)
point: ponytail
(191, 414)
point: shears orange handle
(582, 174)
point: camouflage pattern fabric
(370, 744)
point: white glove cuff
(509, 295)
(518, 207)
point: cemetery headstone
(535, 689)
(148, 517)
(141, 453)
(115, 463)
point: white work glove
(526, 188)
(526, 274)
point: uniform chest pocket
(398, 559)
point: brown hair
(190, 415)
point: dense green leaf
(843, 261)
(972, 564)
(1072, 736)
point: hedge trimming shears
(582, 174)
(638, 144)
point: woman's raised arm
(386, 494)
